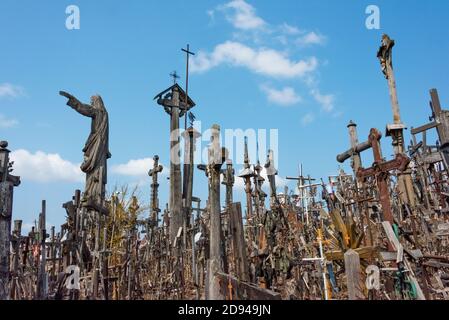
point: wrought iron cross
(175, 76)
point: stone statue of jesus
(96, 150)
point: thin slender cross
(188, 54)
(175, 76)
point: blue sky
(303, 67)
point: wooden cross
(157, 168)
(188, 54)
(380, 170)
(355, 150)
(304, 194)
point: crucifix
(7, 184)
(188, 54)
(396, 130)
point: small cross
(175, 76)
(347, 238)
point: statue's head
(97, 102)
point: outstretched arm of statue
(84, 109)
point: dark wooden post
(238, 242)
(217, 155)
(247, 174)
(176, 103)
(352, 269)
(153, 173)
(42, 279)
(7, 184)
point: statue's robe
(96, 151)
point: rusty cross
(380, 170)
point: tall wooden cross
(396, 130)
(188, 54)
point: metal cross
(175, 76)
(188, 54)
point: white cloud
(243, 15)
(134, 168)
(7, 123)
(307, 119)
(285, 97)
(8, 90)
(45, 167)
(268, 62)
(326, 101)
(290, 30)
(311, 38)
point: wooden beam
(242, 290)
(352, 270)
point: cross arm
(425, 127)
(399, 163)
(358, 149)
